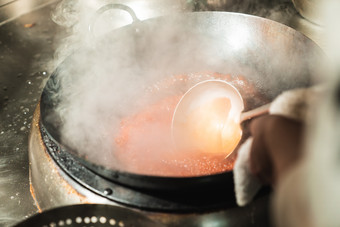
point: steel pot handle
(109, 7)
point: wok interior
(271, 56)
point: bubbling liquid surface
(145, 143)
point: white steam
(104, 83)
(109, 72)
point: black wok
(270, 55)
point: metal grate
(89, 215)
(86, 221)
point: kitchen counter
(25, 48)
(28, 40)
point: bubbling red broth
(144, 142)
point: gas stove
(57, 178)
(27, 43)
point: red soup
(144, 141)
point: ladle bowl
(208, 118)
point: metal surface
(24, 53)
(198, 97)
(24, 56)
(12, 9)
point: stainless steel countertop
(24, 53)
(27, 43)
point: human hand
(277, 146)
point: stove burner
(155, 200)
(89, 215)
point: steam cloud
(100, 86)
(104, 81)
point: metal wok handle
(109, 7)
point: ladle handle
(109, 7)
(255, 112)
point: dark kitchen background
(28, 41)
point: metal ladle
(208, 118)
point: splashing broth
(144, 142)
